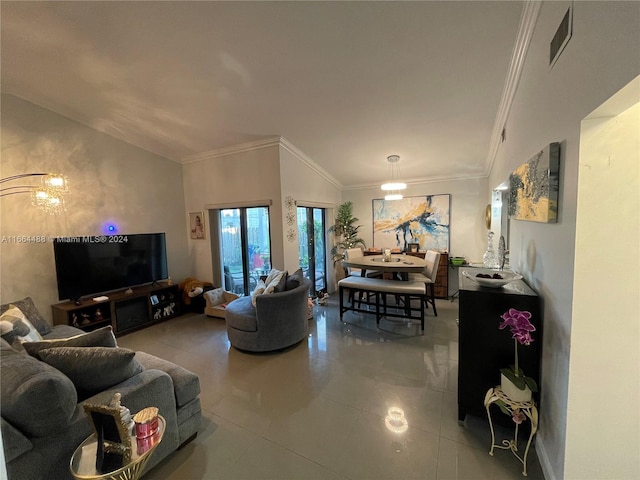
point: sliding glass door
(246, 247)
(312, 251)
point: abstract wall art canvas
(534, 186)
(423, 220)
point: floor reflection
(351, 402)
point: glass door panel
(258, 245)
(246, 247)
(320, 280)
(311, 246)
(232, 250)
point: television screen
(99, 264)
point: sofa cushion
(14, 442)
(36, 398)
(30, 311)
(92, 369)
(186, 385)
(102, 337)
(16, 328)
(241, 315)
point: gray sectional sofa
(43, 420)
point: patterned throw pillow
(275, 280)
(15, 327)
(215, 297)
(259, 290)
(30, 311)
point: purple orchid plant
(520, 328)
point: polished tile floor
(351, 402)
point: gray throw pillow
(102, 337)
(36, 398)
(295, 279)
(93, 369)
(30, 311)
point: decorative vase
(489, 257)
(513, 392)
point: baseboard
(543, 458)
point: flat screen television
(99, 264)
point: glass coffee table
(83, 460)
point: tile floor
(319, 410)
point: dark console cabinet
(484, 349)
(125, 311)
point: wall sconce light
(393, 186)
(48, 196)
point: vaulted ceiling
(348, 83)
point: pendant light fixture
(393, 186)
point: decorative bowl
(507, 277)
(458, 261)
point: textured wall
(600, 58)
(110, 181)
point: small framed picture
(196, 226)
(154, 299)
(413, 247)
(113, 439)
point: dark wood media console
(125, 312)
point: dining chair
(428, 276)
(354, 254)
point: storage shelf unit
(125, 312)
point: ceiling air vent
(561, 38)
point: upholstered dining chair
(353, 254)
(428, 276)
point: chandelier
(47, 196)
(393, 186)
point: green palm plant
(345, 231)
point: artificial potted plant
(514, 383)
(346, 232)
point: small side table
(530, 411)
(83, 460)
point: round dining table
(399, 263)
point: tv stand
(125, 312)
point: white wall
(109, 181)
(549, 105)
(308, 188)
(468, 236)
(248, 175)
(234, 179)
(605, 358)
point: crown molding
(419, 181)
(296, 152)
(239, 148)
(275, 141)
(528, 20)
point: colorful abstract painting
(533, 187)
(423, 220)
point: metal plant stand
(527, 408)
